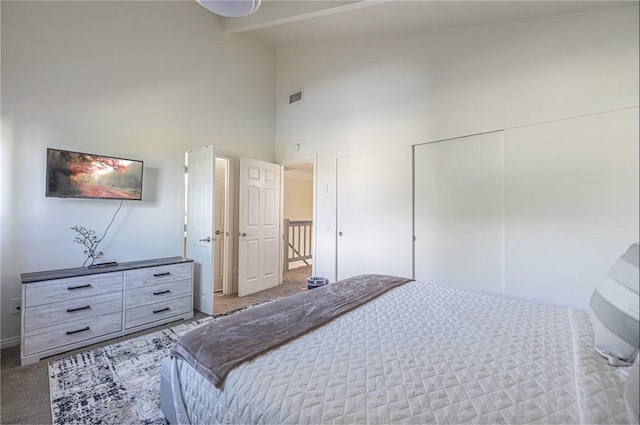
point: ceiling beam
(275, 12)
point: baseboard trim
(10, 342)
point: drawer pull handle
(71, 288)
(162, 292)
(71, 310)
(161, 274)
(161, 310)
(79, 330)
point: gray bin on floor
(316, 282)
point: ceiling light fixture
(231, 8)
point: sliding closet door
(375, 214)
(459, 213)
(571, 204)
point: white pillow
(614, 310)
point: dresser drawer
(154, 275)
(150, 313)
(46, 315)
(156, 293)
(72, 332)
(51, 291)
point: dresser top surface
(86, 271)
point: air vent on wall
(295, 97)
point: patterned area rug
(116, 384)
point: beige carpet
(293, 281)
(24, 391)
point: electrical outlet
(16, 303)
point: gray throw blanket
(216, 348)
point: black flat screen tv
(83, 175)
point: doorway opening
(214, 237)
(208, 223)
(221, 229)
(298, 223)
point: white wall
(298, 197)
(370, 94)
(134, 79)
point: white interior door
(459, 212)
(220, 231)
(375, 214)
(200, 223)
(259, 226)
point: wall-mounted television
(84, 175)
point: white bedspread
(421, 354)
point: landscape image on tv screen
(83, 175)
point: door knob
(207, 239)
(217, 232)
(339, 233)
(242, 235)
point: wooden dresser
(67, 309)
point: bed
(418, 353)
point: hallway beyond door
(293, 282)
